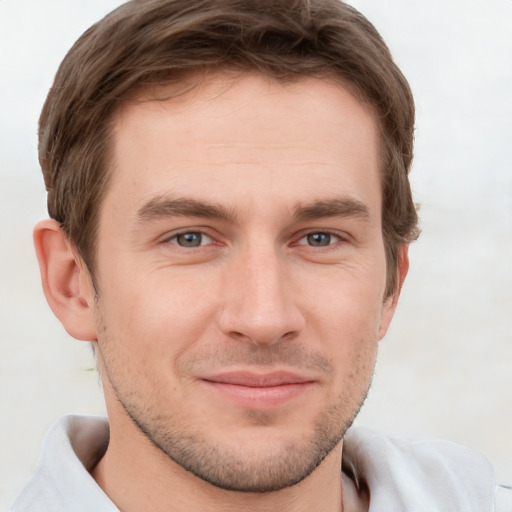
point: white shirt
(403, 476)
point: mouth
(259, 391)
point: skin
(240, 295)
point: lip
(259, 391)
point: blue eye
(319, 239)
(191, 239)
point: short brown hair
(153, 42)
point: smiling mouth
(258, 391)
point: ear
(390, 304)
(66, 281)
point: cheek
(345, 319)
(158, 315)
(348, 299)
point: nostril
(240, 336)
(261, 338)
(289, 335)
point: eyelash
(327, 233)
(174, 238)
(202, 234)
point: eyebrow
(340, 207)
(164, 207)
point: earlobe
(66, 281)
(391, 302)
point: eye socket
(191, 239)
(319, 239)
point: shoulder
(503, 498)
(61, 479)
(422, 474)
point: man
(230, 215)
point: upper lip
(258, 380)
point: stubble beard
(234, 470)
(228, 468)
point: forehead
(232, 138)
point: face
(241, 276)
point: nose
(259, 299)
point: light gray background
(445, 368)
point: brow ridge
(164, 207)
(339, 207)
